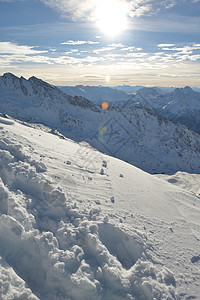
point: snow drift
(72, 227)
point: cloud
(132, 48)
(12, 54)
(12, 48)
(165, 45)
(104, 49)
(88, 10)
(13, 0)
(73, 43)
(185, 49)
(10, 0)
(116, 45)
(18, 59)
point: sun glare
(111, 16)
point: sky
(102, 42)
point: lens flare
(107, 78)
(104, 105)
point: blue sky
(69, 42)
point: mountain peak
(9, 75)
(188, 89)
(33, 78)
(185, 90)
(39, 81)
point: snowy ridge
(129, 133)
(181, 106)
(75, 228)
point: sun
(111, 16)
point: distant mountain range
(180, 105)
(97, 94)
(130, 131)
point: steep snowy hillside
(181, 106)
(77, 224)
(36, 100)
(151, 92)
(146, 98)
(129, 133)
(97, 94)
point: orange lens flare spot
(104, 105)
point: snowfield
(78, 224)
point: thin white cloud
(103, 49)
(11, 0)
(13, 48)
(116, 45)
(86, 10)
(165, 45)
(132, 48)
(17, 59)
(185, 49)
(136, 55)
(73, 43)
(14, 55)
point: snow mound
(59, 242)
(127, 248)
(11, 285)
(6, 121)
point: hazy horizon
(103, 85)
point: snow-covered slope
(187, 181)
(150, 92)
(36, 100)
(182, 105)
(77, 224)
(97, 94)
(129, 133)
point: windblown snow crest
(59, 245)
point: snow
(181, 105)
(11, 285)
(187, 181)
(130, 133)
(78, 224)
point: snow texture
(62, 236)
